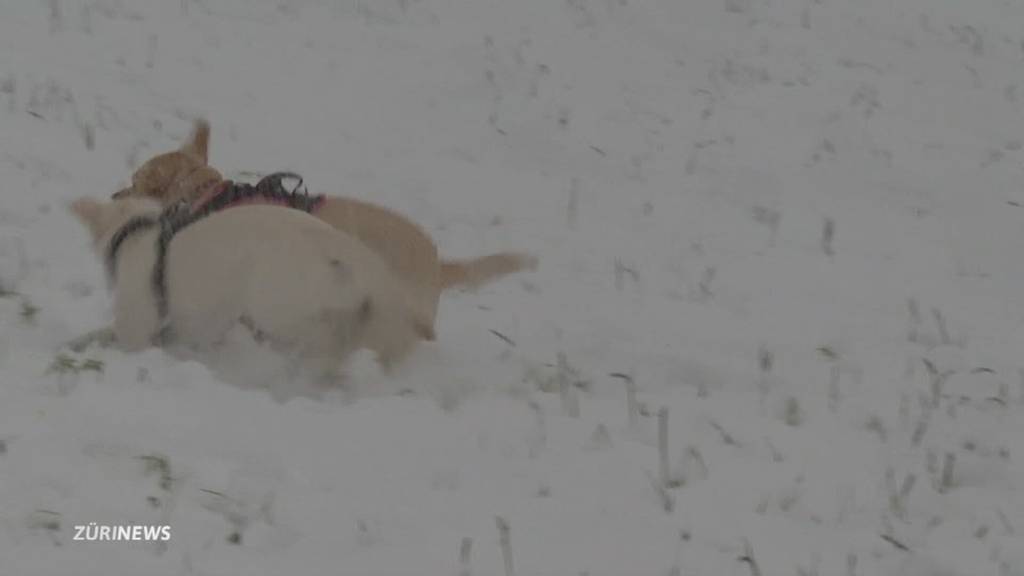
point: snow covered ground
(796, 226)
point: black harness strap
(172, 220)
(270, 189)
(131, 228)
(169, 222)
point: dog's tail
(478, 271)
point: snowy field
(791, 228)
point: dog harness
(169, 222)
(176, 217)
(269, 190)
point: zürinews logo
(93, 532)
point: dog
(185, 174)
(298, 283)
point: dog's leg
(102, 336)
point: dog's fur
(294, 280)
(186, 174)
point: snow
(842, 402)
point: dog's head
(178, 175)
(103, 219)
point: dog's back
(293, 277)
(401, 243)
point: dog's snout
(120, 193)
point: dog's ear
(198, 144)
(90, 213)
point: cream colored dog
(186, 174)
(294, 280)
